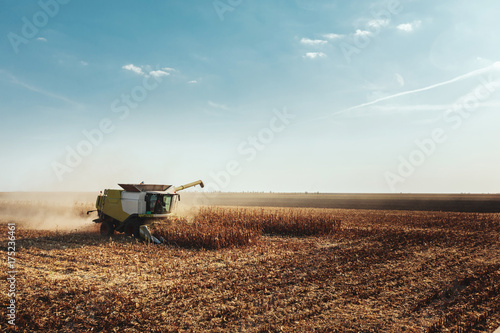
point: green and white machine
(130, 209)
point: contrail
(495, 66)
(15, 80)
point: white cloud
(362, 33)
(333, 36)
(378, 23)
(146, 70)
(307, 41)
(42, 39)
(400, 79)
(158, 73)
(218, 106)
(314, 55)
(193, 82)
(409, 27)
(135, 69)
(83, 63)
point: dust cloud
(48, 211)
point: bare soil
(383, 271)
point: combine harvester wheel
(132, 228)
(107, 228)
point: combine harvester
(130, 210)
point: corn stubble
(377, 271)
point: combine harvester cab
(130, 210)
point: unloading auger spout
(183, 187)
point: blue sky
(294, 96)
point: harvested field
(478, 203)
(376, 271)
